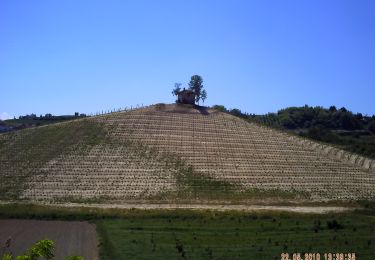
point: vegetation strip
(235, 236)
(212, 234)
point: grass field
(235, 235)
(192, 234)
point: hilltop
(178, 153)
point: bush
(220, 108)
(42, 249)
(334, 225)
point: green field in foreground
(204, 234)
(235, 235)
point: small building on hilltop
(186, 96)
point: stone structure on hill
(186, 96)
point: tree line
(352, 131)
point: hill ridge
(175, 153)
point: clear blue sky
(259, 56)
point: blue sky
(259, 56)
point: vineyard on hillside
(175, 153)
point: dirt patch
(297, 209)
(70, 237)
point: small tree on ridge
(196, 85)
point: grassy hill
(175, 153)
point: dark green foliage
(352, 132)
(236, 112)
(41, 249)
(220, 108)
(306, 117)
(334, 225)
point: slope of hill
(175, 153)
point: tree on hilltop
(196, 85)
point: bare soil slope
(175, 152)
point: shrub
(334, 225)
(42, 249)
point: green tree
(196, 85)
(220, 108)
(41, 249)
(7, 257)
(236, 112)
(332, 109)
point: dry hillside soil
(70, 237)
(175, 153)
